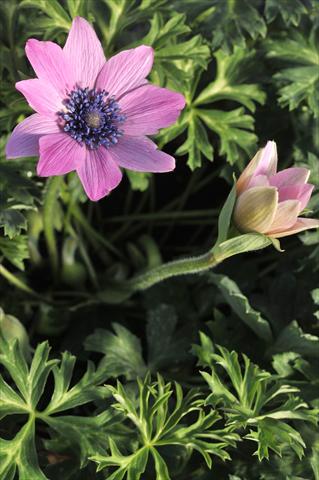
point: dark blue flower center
(92, 117)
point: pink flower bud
(270, 202)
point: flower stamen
(92, 117)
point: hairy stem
(173, 269)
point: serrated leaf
(293, 339)
(160, 422)
(291, 11)
(197, 143)
(229, 23)
(229, 82)
(122, 350)
(23, 397)
(240, 304)
(254, 398)
(234, 129)
(299, 83)
(15, 250)
(19, 454)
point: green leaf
(138, 180)
(17, 194)
(234, 129)
(53, 10)
(240, 304)
(253, 399)
(20, 454)
(270, 437)
(85, 390)
(12, 221)
(293, 339)
(291, 11)
(12, 329)
(231, 72)
(160, 466)
(175, 57)
(229, 22)
(283, 363)
(94, 430)
(122, 350)
(15, 250)
(197, 143)
(24, 396)
(299, 83)
(166, 346)
(157, 421)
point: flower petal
(263, 163)
(290, 176)
(84, 53)
(259, 181)
(267, 164)
(301, 192)
(286, 216)
(300, 225)
(255, 209)
(41, 96)
(149, 108)
(24, 140)
(126, 70)
(141, 154)
(305, 195)
(50, 65)
(98, 173)
(59, 154)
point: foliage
(130, 401)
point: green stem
(49, 207)
(173, 269)
(16, 281)
(93, 234)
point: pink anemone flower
(269, 202)
(93, 114)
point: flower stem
(172, 269)
(49, 209)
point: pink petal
(50, 65)
(98, 173)
(305, 195)
(267, 164)
(24, 140)
(263, 163)
(149, 108)
(141, 154)
(126, 70)
(41, 96)
(84, 53)
(59, 154)
(290, 176)
(286, 216)
(291, 192)
(300, 225)
(300, 192)
(259, 181)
